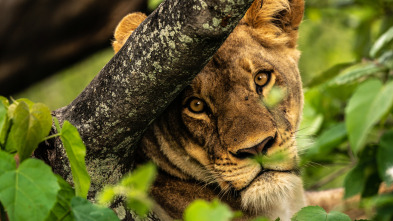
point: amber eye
(196, 105)
(262, 78)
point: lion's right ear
(275, 22)
(125, 27)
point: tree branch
(160, 58)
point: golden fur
(205, 151)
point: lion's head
(220, 122)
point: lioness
(204, 142)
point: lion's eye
(196, 105)
(262, 78)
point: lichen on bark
(160, 58)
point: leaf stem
(51, 136)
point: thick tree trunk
(42, 36)
(160, 58)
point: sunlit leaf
(141, 178)
(153, 4)
(4, 121)
(203, 210)
(272, 159)
(274, 97)
(134, 187)
(29, 127)
(139, 202)
(76, 152)
(370, 102)
(385, 157)
(316, 213)
(28, 192)
(382, 42)
(83, 210)
(106, 196)
(356, 72)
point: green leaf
(4, 121)
(153, 4)
(141, 178)
(138, 183)
(311, 120)
(355, 72)
(7, 162)
(139, 202)
(310, 213)
(83, 210)
(385, 157)
(28, 192)
(337, 216)
(29, 128)
(355, 181)
(328, 74)
(76, 152)
(203, 210)
(62, 209)
(262, 219)
(370, 102)
(386, 59)
(382, 42)
(316, 213)
(275, 96)
(328, 140)
(134, 187)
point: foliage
(353, 103)
(316, 213)
(76, 152)
(203, 210)
(133, 187)
(29, 190)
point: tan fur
(198, 153)
(125, 28)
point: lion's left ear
(125, 28)
(275, 22)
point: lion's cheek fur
(274, 194)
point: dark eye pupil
(196, 106)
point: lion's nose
(259, 149)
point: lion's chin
(274, 194)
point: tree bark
(42, 36)
(160, 58)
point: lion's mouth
(264, 172)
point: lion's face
(213, 131)
(226, 113)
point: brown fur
(198, 153)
